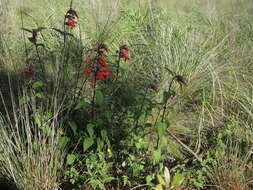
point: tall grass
(30, 153)
(208, 42)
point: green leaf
(39, 95)
(71, 159)
(170, 71)
(25, 29)
(36, 147)
(177, 179)
(62, 32)
(157, 155)
(37, 119)
(48, 115)
(100, 100)
(161, 180)
(105, 136)
(167, 95)
(73, 126)
(40, 29)
(24, 100)
(90, 129)
(37, 84)
(63, 141)
(161, 129)
(81, 104)
(149, 179)
(47, 130)
(159, 187)
(100, 144)
(108, 115)
(87, 143)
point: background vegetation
(176, 115)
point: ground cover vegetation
(126, 94)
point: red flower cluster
(101, 60)
(123, 52)
(29, 71)
(99, 66)
(72, 18)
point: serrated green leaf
(81, 104)
(90, 129)
(87, 143)
(63, 141)
(37, 84)
(71, 159)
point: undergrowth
(105, 95)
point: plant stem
(142, 104)
(165, 103)
(38, 54)
(117, 73)
(93, 98)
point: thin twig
(187, 148)
(139, 186)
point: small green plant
(170, 184)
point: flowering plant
(101, 72)
(72, 18)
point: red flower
(72, 18)
(101, 72)
(101, 61)
(123, 52)
(102, 48)
(88, 70)
(100, 75)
